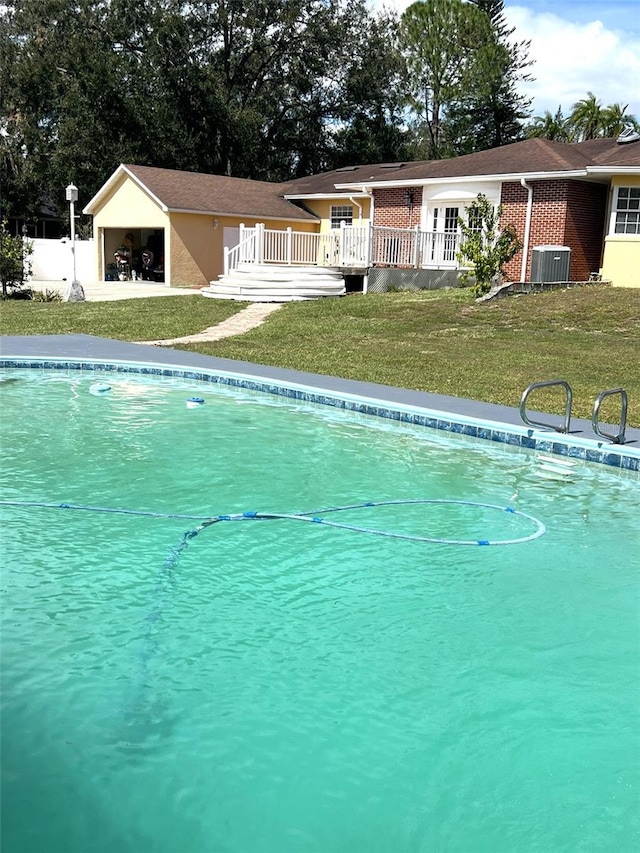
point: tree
(549, 126)
(15, 265)
(370, 110)
(585, 120)
(492, 112)
(441, 40)
(251, 89)
(614, 119)
(485, 247)
(588, 120)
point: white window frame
(341, 213)
(625, 212)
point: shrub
(15, 264)
(485, 248)
(45, 295)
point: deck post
(259, 256)
(341, 246)
(288, 249)
(416, 246)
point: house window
(627, 211)
(341, 213)
(474, 220)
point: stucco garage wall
(126, 208)
(197, 244)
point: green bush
(15, 263)
(485, 248)
(45, 295)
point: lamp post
(75, 292)
(25, 231)
(72, 198)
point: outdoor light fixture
(72, 193)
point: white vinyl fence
(52, 260)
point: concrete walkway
(253, 315)
(110, 291)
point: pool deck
(90, 348)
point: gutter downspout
(527, 229)
(369, 240)
(358, 205)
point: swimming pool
(277, 686)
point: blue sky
(579, 46)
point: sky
(579, 46)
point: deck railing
(352, 246)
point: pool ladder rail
(615, 438)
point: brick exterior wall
(585, 227)
(564, 213)
(391, 208)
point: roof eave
(510, 176)
(246, 214)
(613, 170)
(319, 196)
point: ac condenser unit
(550, 263)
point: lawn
(439, 341)
(149, 319)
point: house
(585, 196)
(184, 219)
(403, 216)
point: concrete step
(277, 283)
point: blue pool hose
(315, 517)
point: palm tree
(549, 126)
(586, 119)
(615, 119)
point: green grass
(153, 318)
(443, 341)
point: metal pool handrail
(619, 438)
(567, 412)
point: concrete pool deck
(87, 348)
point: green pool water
(278, 687)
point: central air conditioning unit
(550, 263)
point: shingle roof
(219, 194)
(325, 182)
(528, 157)
(195, 191)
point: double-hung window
(341, 213)
(627, 211)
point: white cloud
(573, 59)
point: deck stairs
(250, 282)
